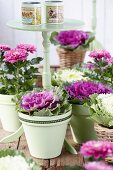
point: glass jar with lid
(54, 12)
(31, 12)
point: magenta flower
(4, 48)
(28, 47)
(97, 166)
(15, 55)
(73, 38)
(109, 60)
(39, 100)
(89, 66)
(97, 149)
(100, 54)
(81, 90)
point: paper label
(54, 14)
(31, 16)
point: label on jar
(54, 14)
(31, 16)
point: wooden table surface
(65, 159)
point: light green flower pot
(8, 114)
(45, 135)
(81, 125)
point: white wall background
(76, 9)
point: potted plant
(100, 107)
(16, 160)
(81, 124)
(100, 69)
(45, 116)
(72, 46)
(67, 76)
(18, 74)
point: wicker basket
(70, 58)
(104, 133)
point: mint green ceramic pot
(45, 134)
(81, 125)
(8, 114)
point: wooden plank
(12, 145)
(67, 159)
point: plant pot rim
(6, 99)
(44, 120)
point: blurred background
(75, 9)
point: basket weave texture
(104, 133)
(70, 58)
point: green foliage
(98, 112)
(52, 38)
(102, 72)
(18, 77)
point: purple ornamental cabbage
(39, 100)
(73, 38)
(81, 90)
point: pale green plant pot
(82, 126)
(45, 135)
(8, 114)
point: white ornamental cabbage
(14, 163)
(69, 76)
(101, 109)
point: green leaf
(52, 38)
(35, 60)
(69, 147)
(90, 39)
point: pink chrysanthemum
(15, 55)
(109, 60)
(28, 47)
(100, 54)
(97, 149)
(97, 166)
(4, 47)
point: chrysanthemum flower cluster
(100, 67)
(19, 53)
(18, 71)
(97, 166)
(96, 152)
